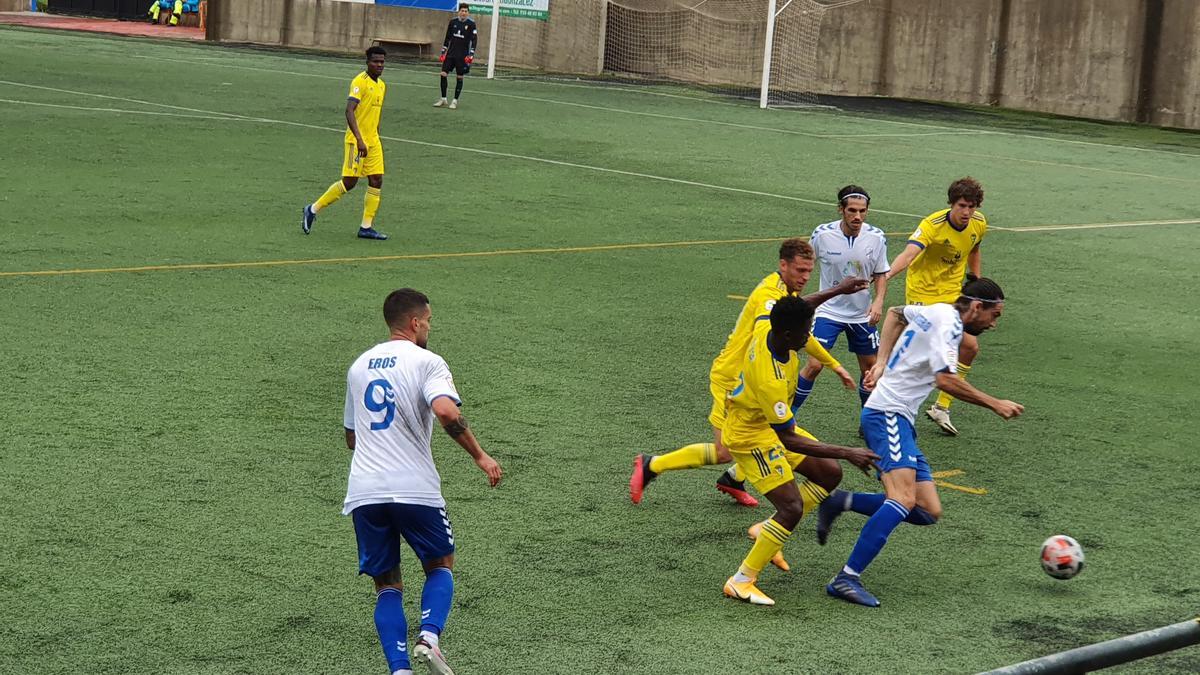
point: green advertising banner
(517, 9)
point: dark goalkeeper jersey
(460, 38)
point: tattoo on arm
(456, 428)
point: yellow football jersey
(762, 397)
(936, 275)
(369, 94)
(728, 364)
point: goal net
(721, 45)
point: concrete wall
(1128, 60)
(15, 5)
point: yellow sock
(331, 195)
(812, 495)
(370, 206)
(944, 399)
(738, 474)
(770, 541)
(687, 457)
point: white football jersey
(926, 347)
(389, 393)
(840, 257)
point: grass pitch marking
(937, 475)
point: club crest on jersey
(780, 409)
(769, 305)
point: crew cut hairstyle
(376, 49)
(790, 248)
(982, 289)
(464, 5)
(791, 313)
(852, 190)
(965, 188)
(402, 304)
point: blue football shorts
(862, 338)
(380, 527)
(891, 436)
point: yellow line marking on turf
(738, 297)
(952, 486)
(1096, 226)
(506, 252)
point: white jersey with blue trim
(840, 257)
(390, 389)
(928, 345)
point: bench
(405, 47)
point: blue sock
(867, 503)
(863, 394)
(435, 600)
(875, 534)
(392, 628)
(803, 389)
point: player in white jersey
(393, 392)
(910, 366)
(849, 248)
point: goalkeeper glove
(442, 56)
(470, 59)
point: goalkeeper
(458, 52)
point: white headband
(856, 194)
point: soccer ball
(1062, 557)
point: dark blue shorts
(892, 437)
(379, 528)
(861, 337)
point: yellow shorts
(716, 416)
(769, 467)
(354, 166)
(910, 299)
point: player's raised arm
(455, 425)
(902, 261)
(845, 287)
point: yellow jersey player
(937, 258)
(363, 150)
(762, 436)
(796, 262)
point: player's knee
(443, 74)
(444, 562)
(349, 182)
(789, 513)
(458, 77)
(375, 181)
(723, 456)
(968, 350)
(389, 579)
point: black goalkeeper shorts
(456, 63)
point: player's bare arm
(455, 425)
(845, 287)
(962, 390)
(875, 312)
(860, 457)
(903, 260)
(893, 323)
(975, 262)
(350, 438)
(352, 122)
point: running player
(919, 347)
(796, 262)
(393, 392)
(848, 248)
(937, 257)
(363, 151)
(766, 444)
(458, 52)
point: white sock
(402, 671)
(430, 637)
(849, 571)
(741, 578)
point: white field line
(480, 151)
(211, 60)
(230, 117)
(1096, 226)
(622, 111)
(863, 138)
